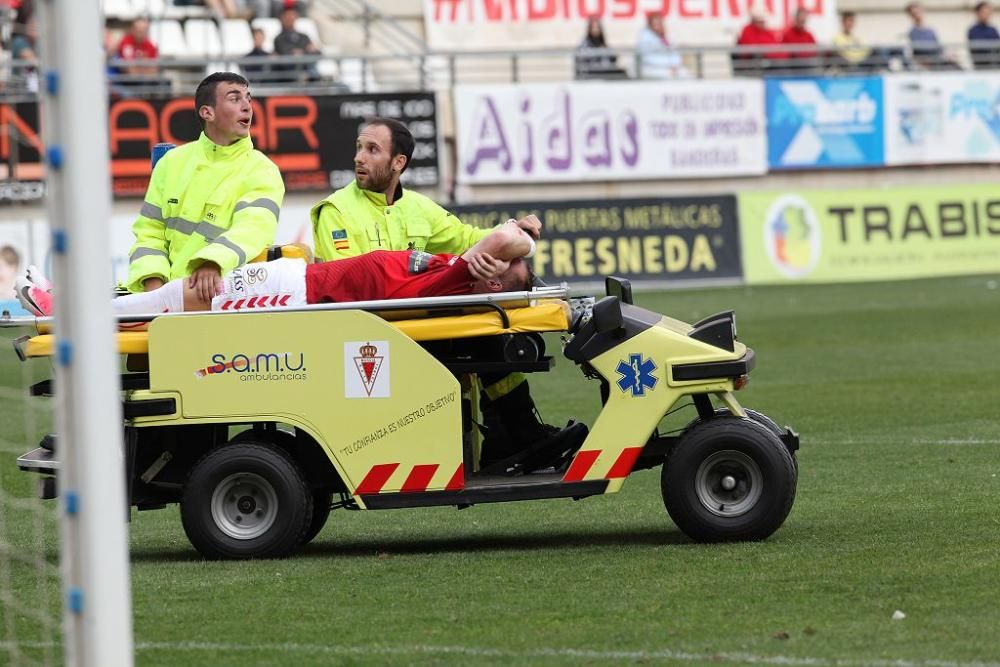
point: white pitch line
(897, 441)
(663, 655)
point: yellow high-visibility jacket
(205, 202)
(353, 221)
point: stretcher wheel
(522, 348)
(246, 500)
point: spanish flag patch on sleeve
(340, 241)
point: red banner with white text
(489, 25)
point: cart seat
(545, 315)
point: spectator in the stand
(23, 46)
(757, 34)
(924, 42)
(797, 35)
(593, 59)
(657, 58)
(257, 71)
(290, 42)
(984, 49)
(851, 53)
(136, 45)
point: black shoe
(553, 450)
(556, 449)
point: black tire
(753, 415)
(246, 500)
(322, 502)
(758, 417)
(723, 451)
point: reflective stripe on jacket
(205, 202)
(353, 221)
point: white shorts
(263, 285)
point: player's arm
(148, 257)
(492, 255)
(254, 226)
(332, 235)
(448, 234)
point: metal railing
(325, 73)
(375, 25)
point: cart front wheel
(729, 479)
(246, 500)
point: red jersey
(129, 49)
(793, 35)
(756, 36)
(387, 274)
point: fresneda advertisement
(593, 131)
(824, 123)
(860, 235)
(940, 118)
(656, 240)
(310, 139)
(500, 25)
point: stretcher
(259, 423)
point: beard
(377, 179)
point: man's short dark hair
(205, 94)
(980, 5)
(910, 5)
(402, 138)
(847, 15)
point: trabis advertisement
(869, 235)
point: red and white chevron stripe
(266, 301)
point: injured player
(491, 265)
(494, 264)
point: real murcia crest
(366, 369)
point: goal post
(97, 620)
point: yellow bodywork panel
(371, 396)
(636, 410)
(548, 315)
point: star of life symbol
(368, 363)
(636, 375)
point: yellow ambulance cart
(260, 422)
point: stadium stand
(236, 38)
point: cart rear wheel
(322, 503)
(246, 500)
(729, 479)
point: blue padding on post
(59, 241)
(55, 157)
(64, 352)
(74, 600)
(72, 502)
(52, 82)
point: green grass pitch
(893, 388)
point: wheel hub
(728, 483)
(244, 506)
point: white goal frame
(93, 511)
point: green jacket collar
(378, 198)
(216, 153)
